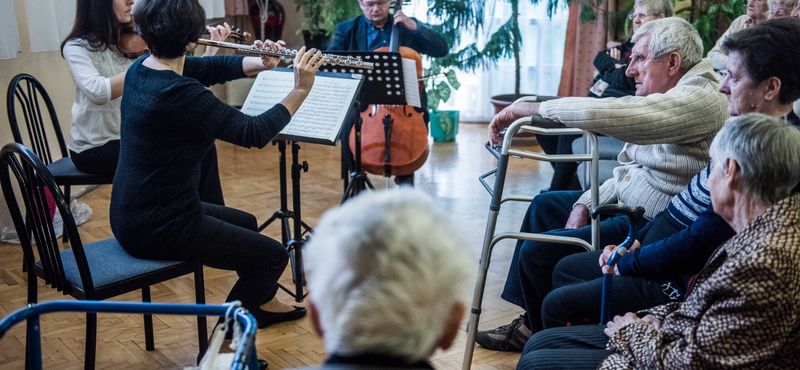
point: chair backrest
(28, 93)
(40, 195)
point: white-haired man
(668, 127)
(387, 281)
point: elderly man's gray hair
(656, 7)
(767, 150)
(385, 270)
(673, 34)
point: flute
(339, 60)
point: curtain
(584, 41)
(9, 34)
(236, 7)
(49, 22)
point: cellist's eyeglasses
(370, 4)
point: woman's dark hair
(770, 49)
(167, 26)
(96, 22)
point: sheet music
(410, 83)
(322, 113)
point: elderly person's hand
(507, 116)
(620, 321)
(614, 53)
(400, 18)
(579, 217)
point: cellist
(374, 30)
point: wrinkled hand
(220, 32)
(306, 65)
(270, 62)
(614, 53)
(607, 252)
(400, 18)
(620, 321)
(507, 116)
(579, 217)
(652, 320)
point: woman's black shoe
(262, 364)
(266, 319)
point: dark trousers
(228, 239)
(103, 161)
(529, 279)
(564, 172)
(574, 348)
(578, 288)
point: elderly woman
(781, 8)
(387, 281)
(741, 310)
(757, 12)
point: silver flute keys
(339, 60)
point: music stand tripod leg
(295, 246)
(284, 214)
(358, 178)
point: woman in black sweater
(169, 121)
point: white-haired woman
(741, 310)
(387, 280)
(781, 8)
(757, 12)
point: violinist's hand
(306, 65)
(507, 116)
(400, 18)
(270, 62)
(218, 33)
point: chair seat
(65, 173)
(109, 264)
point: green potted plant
(321, 16)
(710, 17)
(443, 123)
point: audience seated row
(668, 127)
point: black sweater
(169, 121)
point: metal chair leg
(91, 341)
(200, 298)
(65, 237)
(149, 343)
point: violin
(132, 46)
(394, 138)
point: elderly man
(373, 30)
(741, 311)
(668, 127)
(678, 242)
(387, 281)
(611, 82)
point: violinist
(169, 121)
(98, 69)
(373, 30)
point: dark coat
(351, 35)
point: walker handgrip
(634, 214)
(539, 121)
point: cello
(394, 138)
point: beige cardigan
(667, 136)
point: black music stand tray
(384, 84)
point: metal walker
(536, 125)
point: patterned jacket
(743, 311)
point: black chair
(96, 271)
(29, 93)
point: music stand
(271, 85)
(384, 84)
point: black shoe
(405, 180)
(266, 319)
(262, 364)
(505, 338)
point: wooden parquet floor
(250, 182)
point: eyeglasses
(371, 4)
(637, 16)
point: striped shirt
(686, 206)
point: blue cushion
(65, 173)
(108, 263)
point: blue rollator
(634, 216)
(244, 357)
